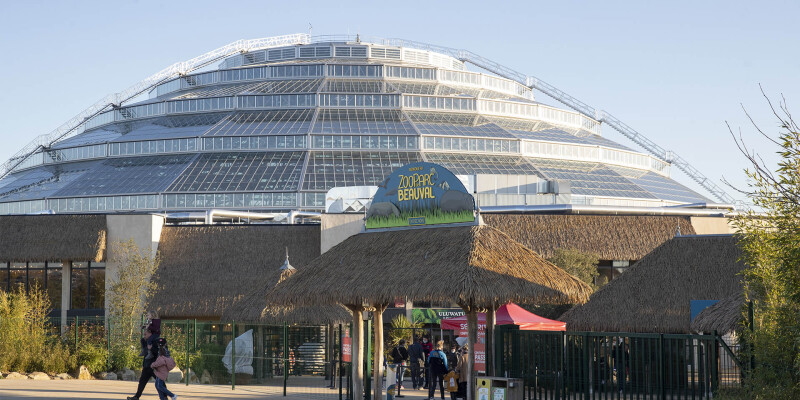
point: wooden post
(377, 366)
(357, 351)
(472, 335)
(490, 322)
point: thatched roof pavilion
(475, 266)
(478, 265)
(40, 238)
(234, 260)
(655, 294)
(611, 237)
(725, 316)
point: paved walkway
(115, 390)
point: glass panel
(361, 121)
(19, 275)
(129, 175)
(327, 169)
(483, 164)
(590, 178)
(54, 272)
(229, 172)
(4, 276)
(79, 284)
(36, 276)
(264, 123)
(97, 280)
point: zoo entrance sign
(420, 194)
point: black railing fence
(602, 365)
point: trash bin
(484, 387)
(505, 388)
(391, 381)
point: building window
(87, 282)
(45, 276)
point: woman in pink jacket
(161, 367)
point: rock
(454, 201)
(383, 209)
(110, 376)
(128, 375)
(175, 375)
(83, 373)
(63, 377)
(193, 376)
(205, 379)
(39, 376)
(16, 375)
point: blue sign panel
(420, 194)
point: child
(161, 367)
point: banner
(347, 350)
(480, 357)
(434, 315)
(420, 193)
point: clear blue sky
(675, 71)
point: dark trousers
(427, 375)
(416, 380)
(434, 379)
(147, 373)
(163, 392)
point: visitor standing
(437, 361)
(161, 367)
(400, 357)
(417, 360)
(427, 346)
(148, 341)
(462, 370)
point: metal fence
(287, 359)
(592, 365)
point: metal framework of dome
(282, 120)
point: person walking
(417, 360)
(452, 365)
(400, 357)
(427, 346)
(161, 367)
(438, 367)
(462, 370)
(150, 352)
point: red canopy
(506, 315)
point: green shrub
(93, 356)
(26, 344)
(125, 357)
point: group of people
(429, 364)
(156, 362)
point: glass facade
(278, 128)
(44, 276)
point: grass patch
(431, 218)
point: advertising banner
(434, 315)
(347, 350)
(480, 357)
(420, 194)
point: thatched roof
(253, 307)
(655, 294)
(474, 265)
(205, 268)
(611, 237)
(724, 316)
(39, 238)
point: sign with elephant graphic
(420, 194)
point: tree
(132, 288)
(770, 240)
(580, 265)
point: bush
(125, 357)
(25, 341)
(93, 356)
